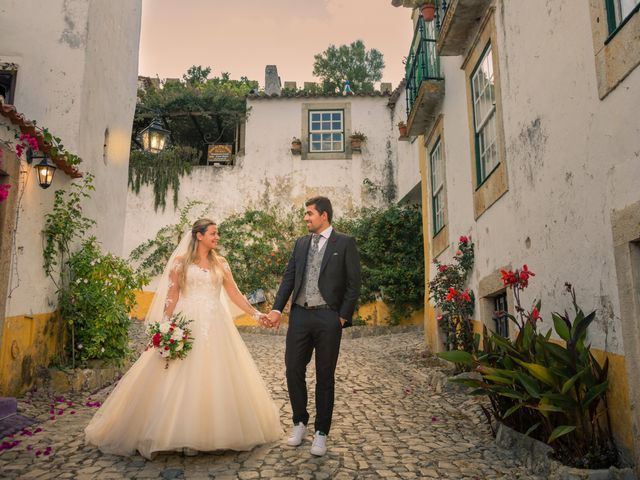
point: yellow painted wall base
(28, 342)
(376, 313)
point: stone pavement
(392, 419)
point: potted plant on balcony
(402, 127)
(296, 146)
(356, 140)
(427, 9)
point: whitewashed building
(267, 173)
(71, 66)
(528, 115)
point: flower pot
(356, 144)
(428, 11)
(296, 148)
(403, 131)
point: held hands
(273, 319)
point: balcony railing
(422, 62)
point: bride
(213, 399)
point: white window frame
(484, 116)
(327, 145)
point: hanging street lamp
(155, 137)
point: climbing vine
(162, 170)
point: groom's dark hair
(322, 204)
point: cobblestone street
(392, 419)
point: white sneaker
(319, 447)
(297, 434)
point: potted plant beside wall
(402, 128)
(427, 9)
(356, 140)
(296, 146)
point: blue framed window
(437, 187)
(484, 116)
(618, 11)
(326, 131)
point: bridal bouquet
(171, 337)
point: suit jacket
(339, 280)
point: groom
(323, 274)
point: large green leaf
(595, 392)
(562, 329)
(571, 382)
(531, 429)
(541, 372)
(529, 384)
(560, 431)
(512, 410)
(457, 356)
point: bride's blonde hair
(200, 226)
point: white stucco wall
(571, 158)
(408, 170)
(270, 175)
(77, 67)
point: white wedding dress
(213, 399)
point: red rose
(464, 239)
(172, 341)
(167, 347)
(156, 339)
(442, 268)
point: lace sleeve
(174, 288)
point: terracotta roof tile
(28, 127)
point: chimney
(272, 85)
(290, 85)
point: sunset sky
(243, 36)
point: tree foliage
(392, 257)
(217, 106)
(352, 62)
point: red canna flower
(442, 268)
(535, 315)
(464, 239)
(452, 294)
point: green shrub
(97, 301)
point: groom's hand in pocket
(342, 321)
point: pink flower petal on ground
(52, 417)
(72, 412)
(37, 430)
(60, 412)
(434, 419)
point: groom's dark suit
(318, 327)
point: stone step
(8, 406)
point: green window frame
(437, 187)
(326, 131)
(484, 116)
(618, 12)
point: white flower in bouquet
(164, 327)
(179, 346)
(177, 334)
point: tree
(196, 75)
(353, 62)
